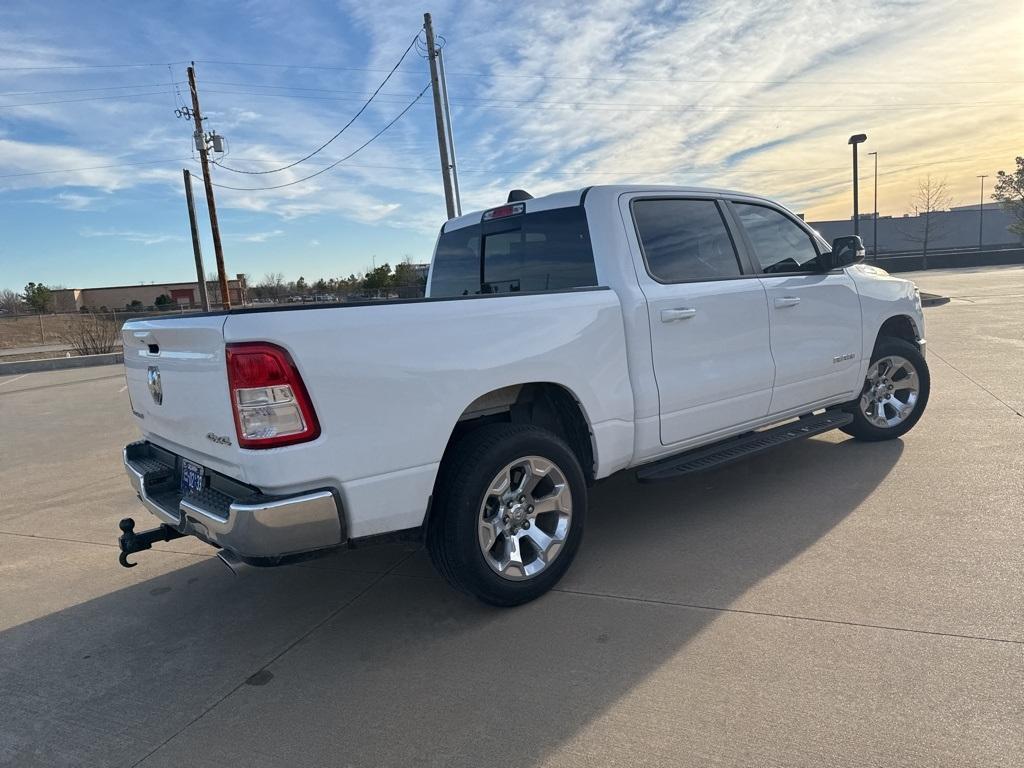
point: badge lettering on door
(843, 358)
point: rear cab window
(533, 251)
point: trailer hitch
(131, 542)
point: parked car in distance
(663, 330)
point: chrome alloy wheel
(890, 392)
(525, 517)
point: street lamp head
(872, 153)
(858, 138)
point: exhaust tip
(234, 563)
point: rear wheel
(510, 505)
(895, 392)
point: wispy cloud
(132, 236)
(256, 237)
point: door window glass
(780, 245)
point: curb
(60, 363)
(933, 299)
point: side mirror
(845, 251)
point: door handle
(671, 315)
(786, 301)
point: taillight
(270, 403)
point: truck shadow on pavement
(369, 659)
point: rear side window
(685, 240)
(456, 268)
(542, 251)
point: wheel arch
(899, 327)
(546, 404)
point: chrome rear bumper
(230, 514)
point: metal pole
(874, 223)
(204, 297)
(208, 183)
(856, 209)
(981, 213)
(442, 143)
(451, 133)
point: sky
(545, 96)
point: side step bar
(736, 448)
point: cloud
(132, 236)
(256, 237)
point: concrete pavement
(833, 603)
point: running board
(736, 448)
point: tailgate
(177, 381)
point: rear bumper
(231, 515)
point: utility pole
(196, 249)
(208, 182)
(874, 233)
(981, 213)
(442, 142)
(451, 133)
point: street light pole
(981, 213)
(856, 139)
(874, 223)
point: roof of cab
(574, 197)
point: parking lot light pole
(981, 213)
(874, 222)
(858, 138)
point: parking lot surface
(831, 603)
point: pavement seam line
(60, 384)
(768, 614)
(93, 543)
(277, 656)
(975, 383)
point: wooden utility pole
(196, 248)
(442, 139)
(208, 182)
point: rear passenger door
(815, 315)
(708, 316)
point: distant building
(955, 228)
(182, 295)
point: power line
(89, 90)
(93, 167)
(637, 106)
(89, 66)
(520, 76)
(343, 128)
(337, 162)
(87, 98)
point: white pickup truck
(562, 339)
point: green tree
(38, 296)
(300, 286)
(1010, 192)
(163, 301)
(379, 279)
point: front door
(815, 315)
(708, 317)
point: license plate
(193, 477)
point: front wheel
(895, 392)
(508, 515)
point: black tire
(861, 428)
(452, 532)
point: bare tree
(10, 302)
(90, 334)
(931, 198)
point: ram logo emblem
(156, 387)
